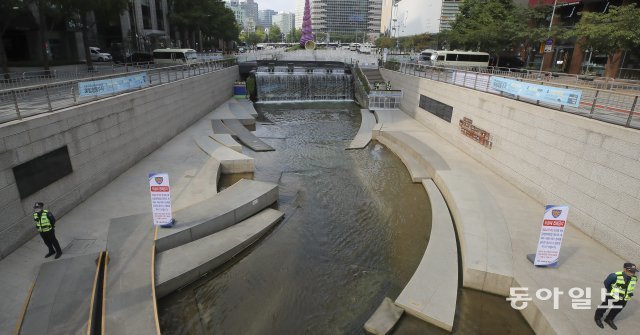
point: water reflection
(355, 230)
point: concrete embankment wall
(104, 138)
(554, 157)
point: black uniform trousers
(49, 238)
(616, 308)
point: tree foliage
(209, 17)
(275, 34)
(617, 29)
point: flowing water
(355, 230)
(317, 84)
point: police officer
(46, 224)
(620, 286)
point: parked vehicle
(98, 56)
(175, 56)
(454, 58)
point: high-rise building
(299, 13)
(450, 8)
(238, 12)
(250, 9)
(145, 24)
(285, 21)
(265, 17)
(347, 20)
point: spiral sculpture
(307, 34)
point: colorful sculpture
(306, 40)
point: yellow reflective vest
(619, 290)
(43, 224)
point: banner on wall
(542, 93)
(160, 199)
(551, 234)
(112, 85)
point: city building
(238, 12)
(145, 26)
(450, 8)
(299, 13)
(355, 20)
(250, 8)
(265, 17)
(285, 21)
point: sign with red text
(160, 198)
(551, 233)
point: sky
(277, 5)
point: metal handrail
(611, 106)
(18, 103)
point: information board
(542, 93)
(113, 85)
(160, 198)
(551, 234)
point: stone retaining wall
(104, 139)
(554, 157)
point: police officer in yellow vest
(620, 286)
(46, 224)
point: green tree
(108, 9)
(609, 32)
(209, 19)
(275, 35)
(9, 9)
(385, 42)
(486, 25)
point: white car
(99, 56)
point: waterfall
(303, 85)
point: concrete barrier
(363, 137)
(230, 160)
(104, 139)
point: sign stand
(161, 200)
(551, 234)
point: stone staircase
(374, 76)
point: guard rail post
(46, 90)
(15, 101)
(633, 107)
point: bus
(354, 46)
(453, 58)
(175, 56)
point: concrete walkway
(584, 263)
(84, 229)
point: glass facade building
(347, 20)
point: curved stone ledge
(485, 243)
(180, 266)
(228, 141)
(427, 296)
(230, 160)
(363, 137)
(234, 204)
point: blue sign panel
(114, 85)
(542, 93)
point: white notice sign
(553, 223)
(160, 198)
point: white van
(98, 56)
(175, 56)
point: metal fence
(606, 105)
(18, 103)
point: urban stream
(355, 230)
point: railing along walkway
(18, 103)
(609, 106)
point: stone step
(416, 170)
(232, 205)
(180, 266)
(230, 160)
